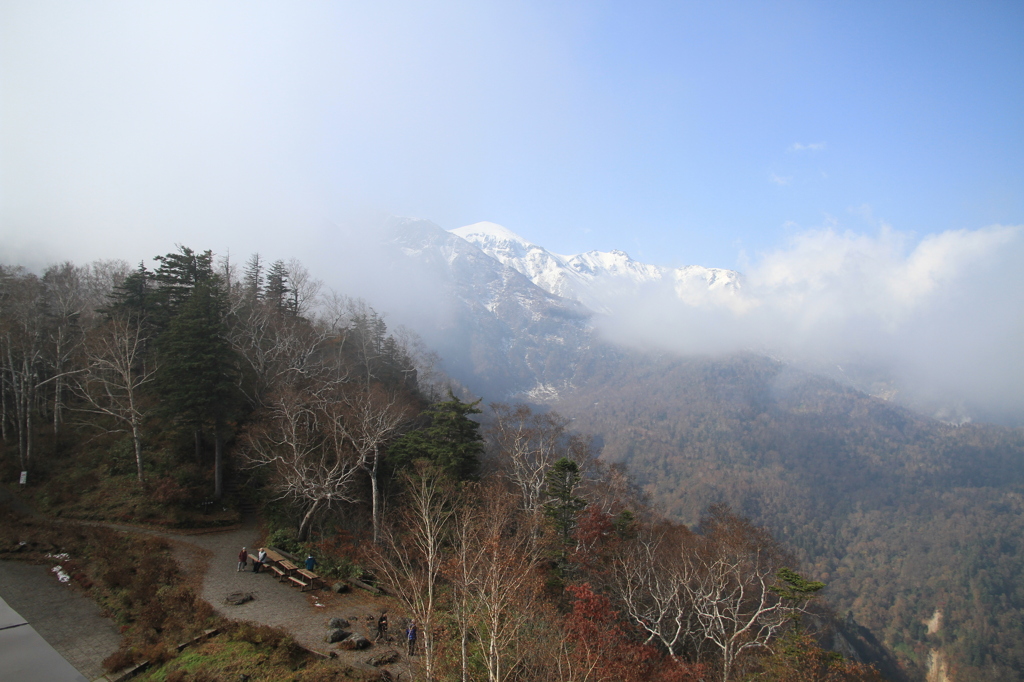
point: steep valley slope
(900, 514)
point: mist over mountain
(929, 325)
(595, 278)
(779, 392)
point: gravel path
(211, 559)
(72, 623)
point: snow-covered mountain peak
(613, 263)
(594, 276)
(493, 237)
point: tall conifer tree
(196, 381)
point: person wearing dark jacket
(410, 633)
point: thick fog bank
(937, 323)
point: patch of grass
(272, 657)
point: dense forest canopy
(901, 515)
(148, 394)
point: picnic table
(298, 580)
(311, 576)
(306, 579)
(282, 569)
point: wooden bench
(281, 573)
(301, 583)
(313, 578)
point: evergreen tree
(132, 296)
(563, 505)
(196, 377)
(452, 442)
(277, 285)
(177, 275)
(252, 283)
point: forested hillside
(152, 396)
(902, 516)
(172, 372)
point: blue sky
(679, 132)
(862, 163)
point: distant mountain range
(899, 513)
(517, 319)
(595, 278)
(498, 332)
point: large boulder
(336, 635)
(354, 642)
(238, 598)
(383, 658)
(339, 587)
(338, 623)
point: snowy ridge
(595, 278)
(500, 334)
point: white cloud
(813, 147)
(780, 180)
(941, 314)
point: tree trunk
(306, 521)
(137, 440)
(28, 429)
(199, 445)
(375, 496)
(3, 406)
(218, 463)
(56, 403)
(19, 416)
(18, 390)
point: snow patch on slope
(599, 278)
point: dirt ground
(209, 560)
(304, 615)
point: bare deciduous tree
(280, 350)
(65, 305)
(23, 336)
(719, 589)
(115, 372)
(412, 552)
(494, 578)
(524, 445)
(732, 584)
(301, 439)
(650, 586)
(375, 415)
(304, 288)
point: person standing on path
(411, 634)
(382, 626)
(243, 559)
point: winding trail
(209, 560)
(73, 624)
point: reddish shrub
(597, 635)
(120, 659)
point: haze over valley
(756, 272)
